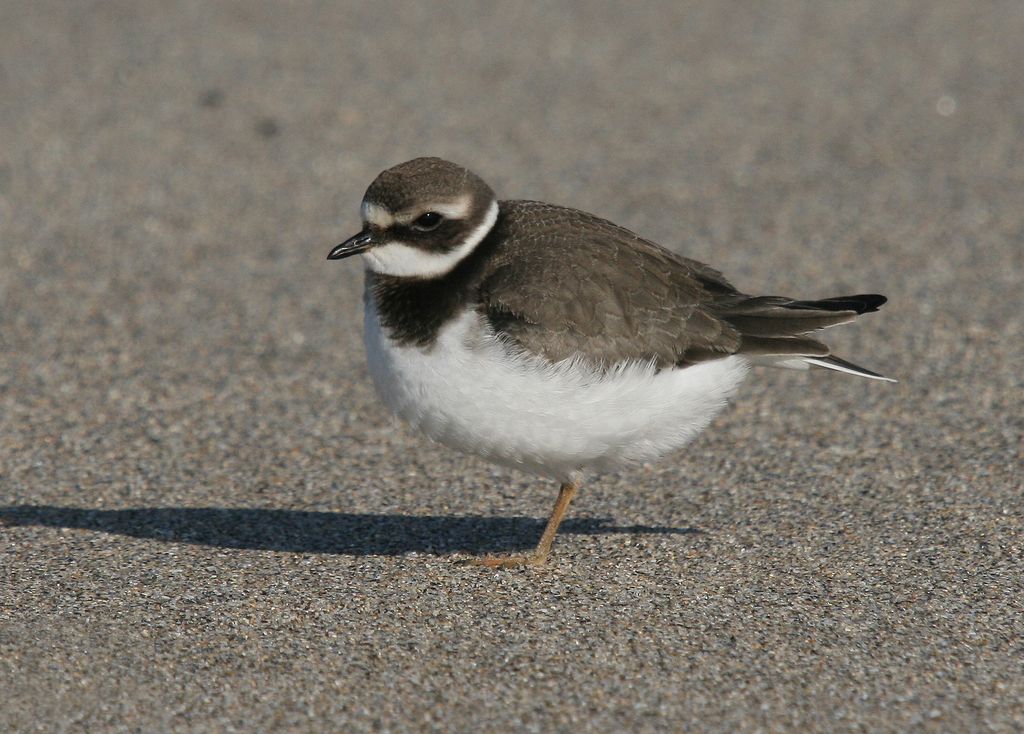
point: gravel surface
(209, 523)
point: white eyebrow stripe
(457, 209)
(376, 215)
(404, 261)
(451, 209)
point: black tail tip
(870, 302)
(861, 303)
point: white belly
(469, 392)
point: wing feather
(571, 284)
(568, 284)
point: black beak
(352, 246)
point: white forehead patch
(376, 215)
(404, 261)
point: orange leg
(540, 554)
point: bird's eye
(428, 221)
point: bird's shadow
(296, 531)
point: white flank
(471, 391)
(404, 261)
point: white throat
(403, 261)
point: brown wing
(571, 284)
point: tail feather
(775, 316)
(756, 346)
(774, 330)
(862, 303)
(784, 322)
(841, 365)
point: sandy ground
(210, 524)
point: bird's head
(421, 218)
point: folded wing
(574, 285)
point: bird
(553, 341)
